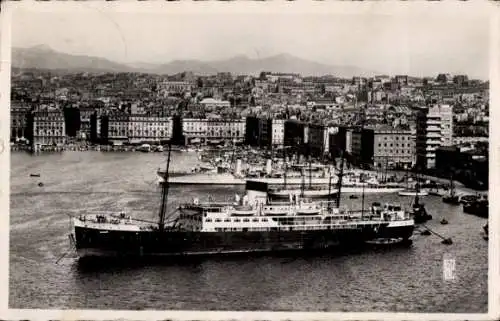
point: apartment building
(434, 128)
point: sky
(419, 43)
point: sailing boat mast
(164, 191)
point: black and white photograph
(248, 157)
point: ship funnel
(238, 167)
(269, 167)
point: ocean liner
(250, 224)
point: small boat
(411, 192)
(145, 148)
(353, 197)
(444, 221)
(468, 199)
(243, 210)
(34, 175)
(434, 193)
(451, 199)
(478, 207)
(40, 184)
(447, 241)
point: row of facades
(376, 146)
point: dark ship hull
(478, 208)
(452, 200)
(91, 242)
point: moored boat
(410, 192)
(479, 207)
(208, 229)
(251, 225)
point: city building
(252, 131)
(318, 140)
(295, 133)
(434, 128)
(278, 132)
(174, 87)
(85, 126)
(466, 165)
(149, 129)
(114, 128)
(265, 132)
(214, 130)
(48, 127)
(194, 130)
(211, 103)
(388, 147)
(18, 123)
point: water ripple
(403, 280)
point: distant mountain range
(43, 57)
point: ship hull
(333, 192)
(91, 242)
(205, 179)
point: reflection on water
(405, 279)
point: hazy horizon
(409, 43)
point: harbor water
(408, 279)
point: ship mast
(164, 191)
(417, 190)
(310, 172)
(340, 177)
(452, 186)
(285, 166)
